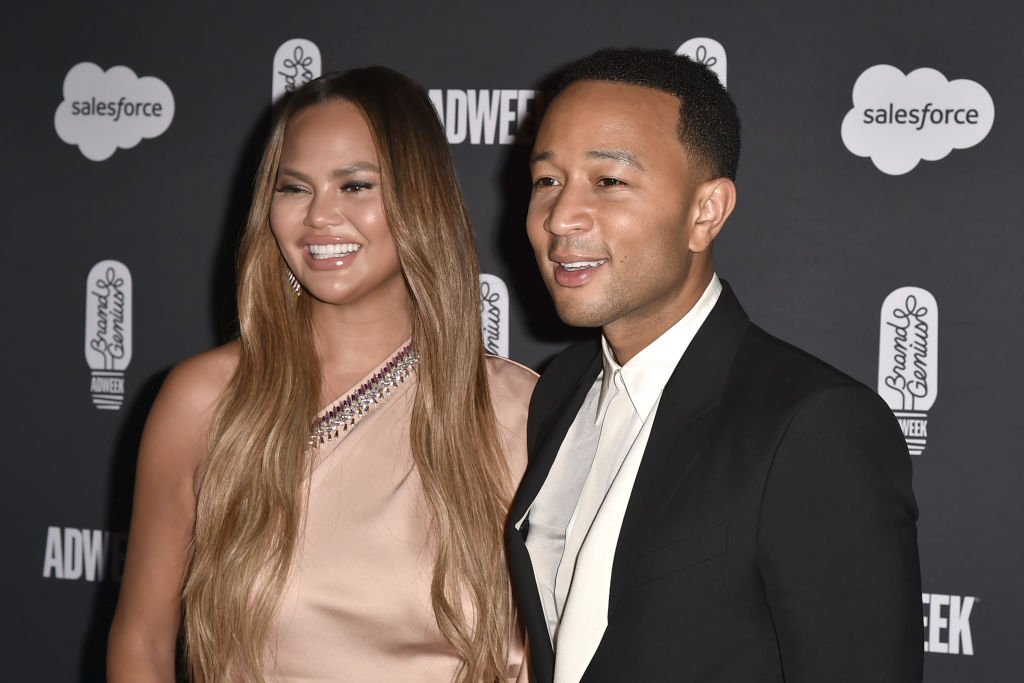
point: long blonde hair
(248, 513)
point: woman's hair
(249, 506)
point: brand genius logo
(296, 62)
(897, 120)
(908, 351)
(108, 331)
(709, 52)
(106, 110)
(494, 314)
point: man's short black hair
(709, 126)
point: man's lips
(575, 271)
(581, 264)
(574, 260)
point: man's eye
(545, 181)
(609, 182)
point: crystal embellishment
(344, 414)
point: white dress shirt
(557, 532)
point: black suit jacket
(770, 534)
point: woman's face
(327, 212)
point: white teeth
(324, 251)
(581, 265)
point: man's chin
(580, 316)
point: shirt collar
(646, 374)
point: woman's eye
(289, 189)
(356, 186)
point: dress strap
(346, 411)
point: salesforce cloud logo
(899, 119)
(106, 110)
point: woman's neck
(351, 343)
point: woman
(362, 541)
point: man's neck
(631, 334)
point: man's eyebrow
(540, 156)
(618, 155)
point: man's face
(612, 207)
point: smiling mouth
(327, 251)
(574, 266)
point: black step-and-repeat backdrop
(879, 226)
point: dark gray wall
(820, 238)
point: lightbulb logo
(897, 120)
(709, 52)
(494, 314)
(106, 110)
(908, 368)
(108, 331)
(296, 62)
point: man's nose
(570, 212)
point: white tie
(611, 450)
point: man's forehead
(617, 95)
(604, 120)
(607, 108)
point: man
(703, 501)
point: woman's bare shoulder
(180, 419)
(511, 386)
(201, 379)
(509, 380)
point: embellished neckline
(345, 412)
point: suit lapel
(555, 402)
(694, 388)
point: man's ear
(715, 199)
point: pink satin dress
(357, 604)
